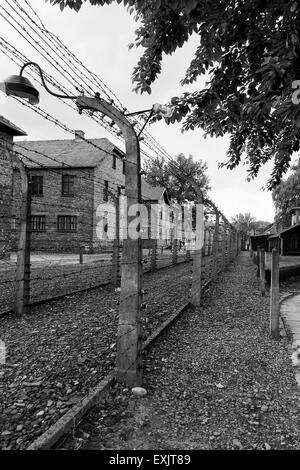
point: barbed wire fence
(27, 281)
(32, 284)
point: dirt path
(214, 381)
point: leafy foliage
(287, 195)
(260, 226)
(244, 223)
(250, 49)
(160, 172)
(247, 226)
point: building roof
(259, 235)
(154, 193)
(68, 152)
(290, 228)
(78, 153)
(10, 128)
(270, 229)
(274, 235)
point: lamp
(17, 85)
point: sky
(99, 36)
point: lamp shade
(16, 85)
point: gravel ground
(214, 381)
(62, 349)
(48, 281)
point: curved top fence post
(129, 330)
(22, 295)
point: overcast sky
(99, 36)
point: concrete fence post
(81, 255)
(215, 247)
(175, 251)
(22, 295)
(154, 255)
(238, 243)
(210, 255)
(197, 258)
(116, 247)
(205, 246)
(227, 245)
(274, 300)
(258, 261)
(224, 243)
(236, 251)
(129, 341)
(209, 242)
(262, 272)
(115, 269)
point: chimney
(79, 135)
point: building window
(37, 185)
(67, 223)
(293, 243)
(114, 162)
(119, 191)
(67, 188)
(124, 167)
(38, 223)
(105, 191)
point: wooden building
(290, 241)
(287, 241)
(261, 240)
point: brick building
(7, 132)
(70, 180)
